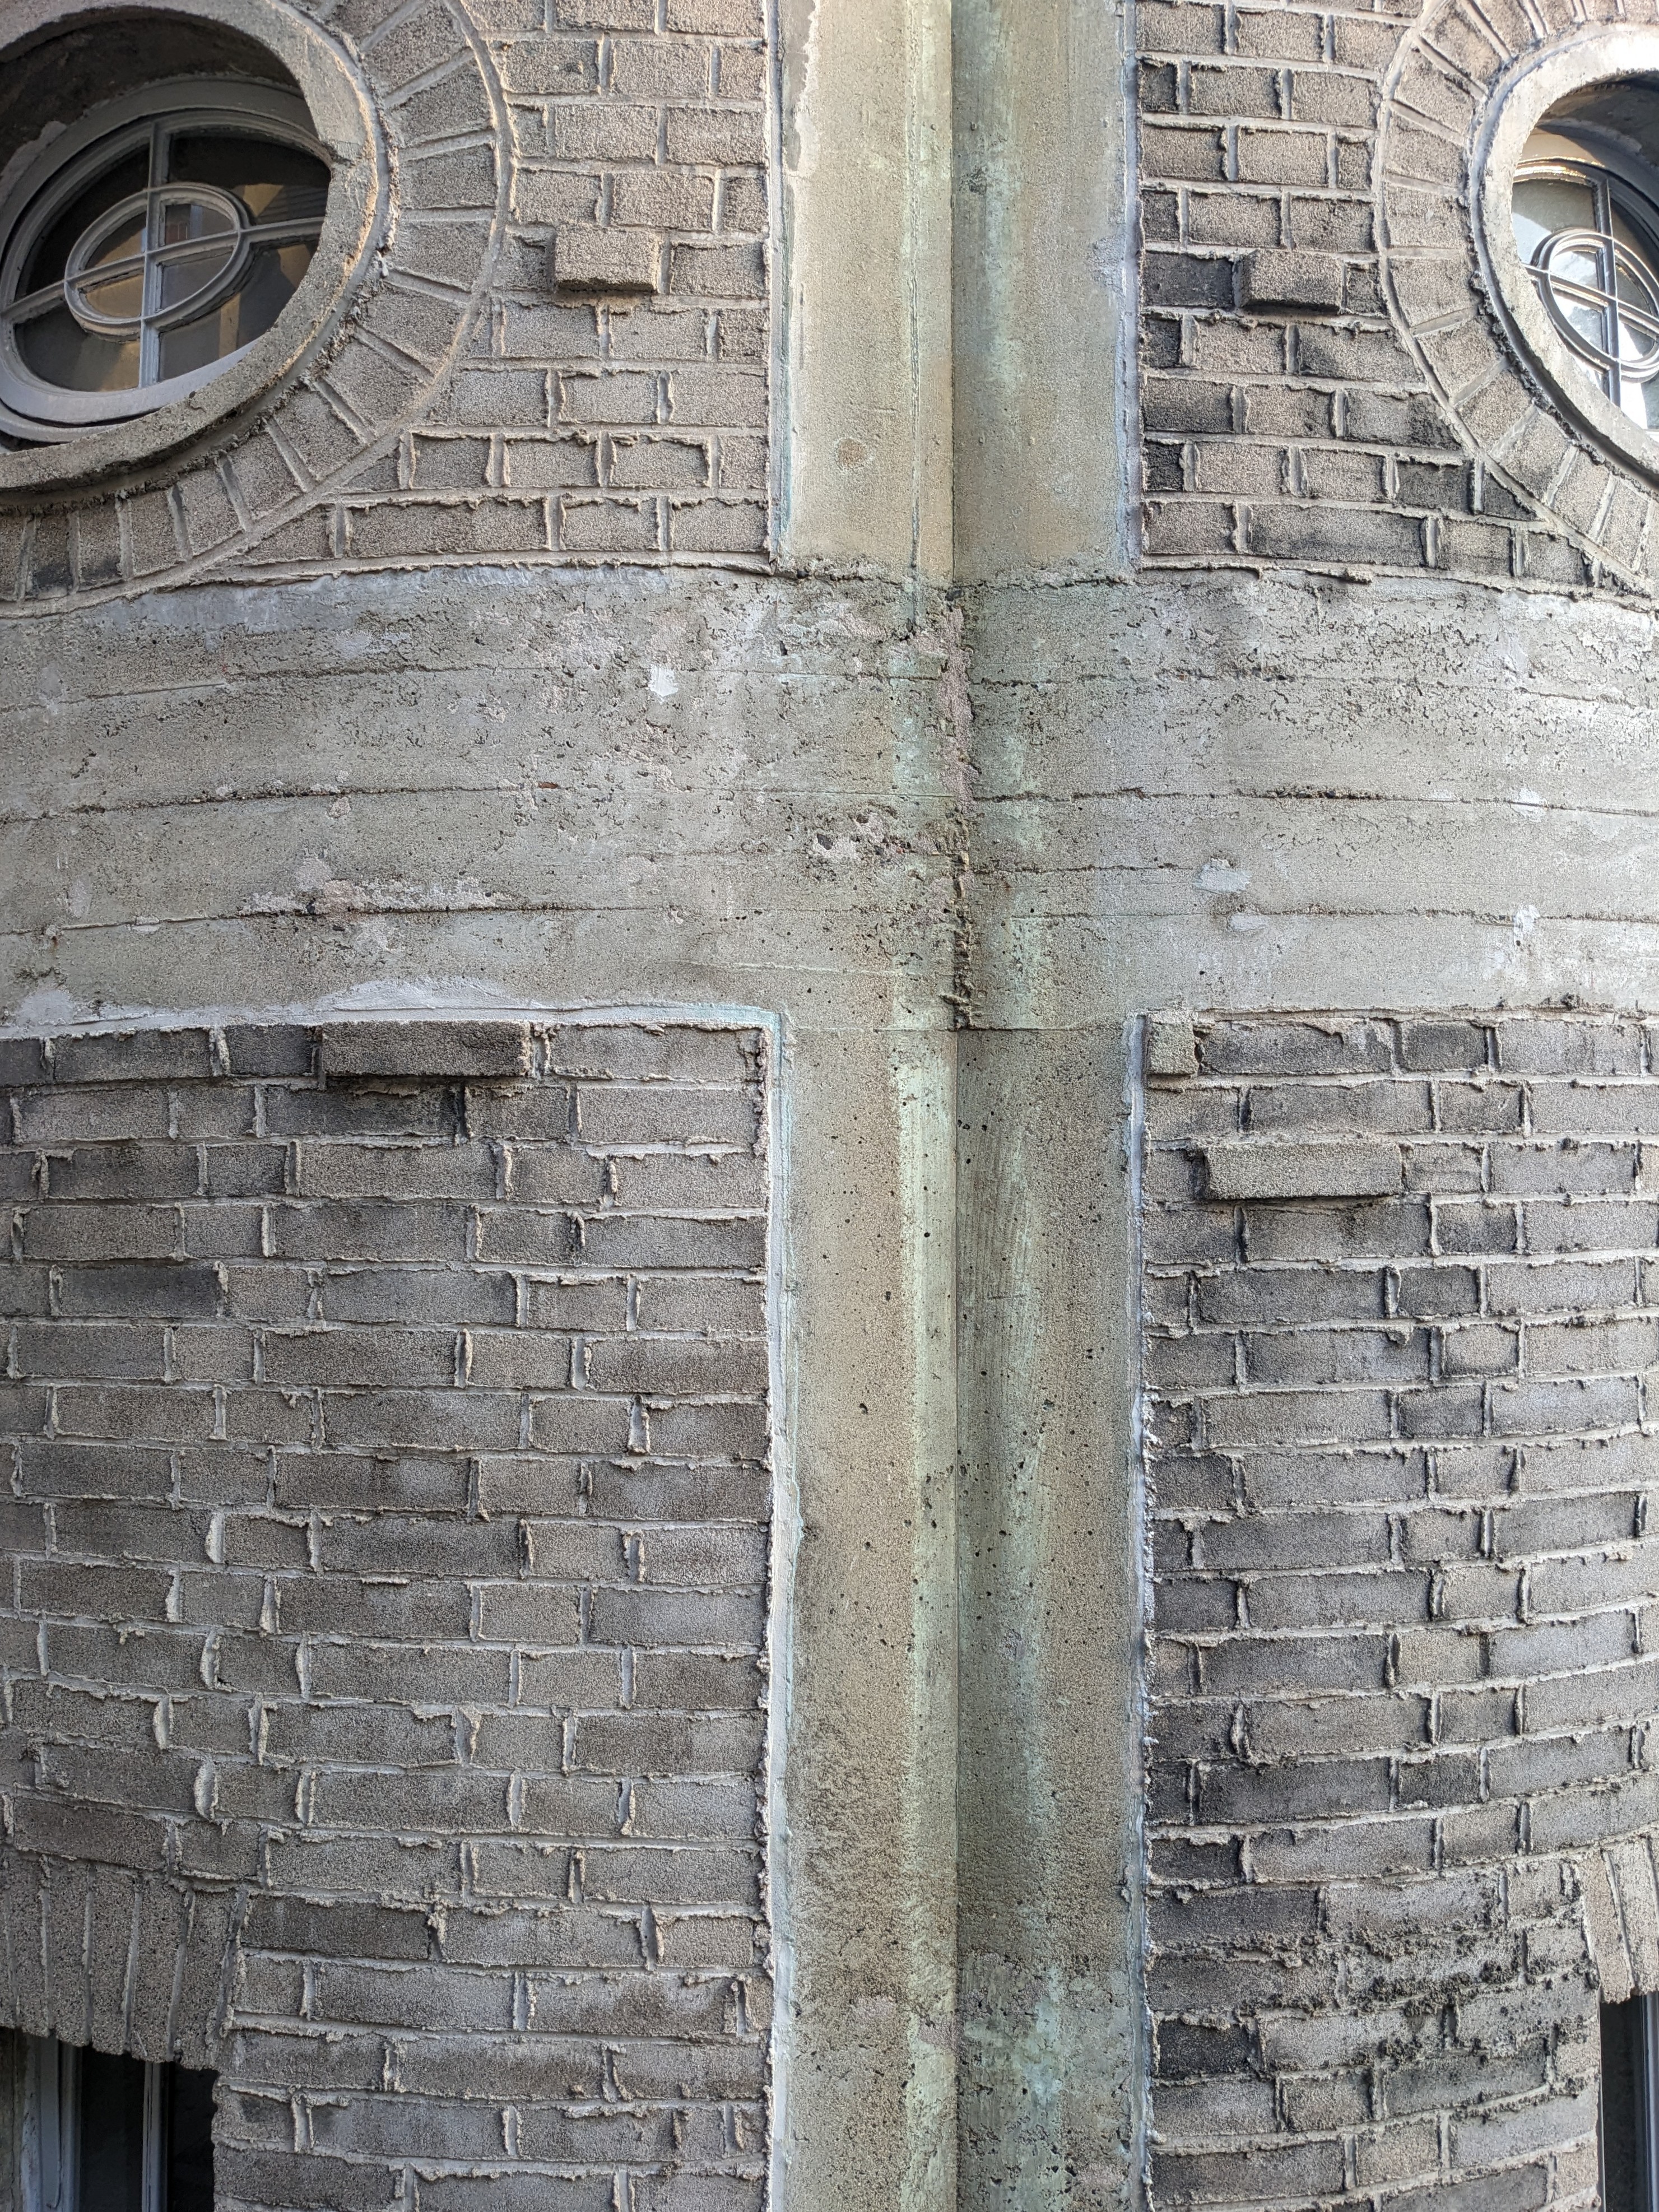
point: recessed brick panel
(384, 1643)
(1404, 1661)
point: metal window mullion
(49, 2164)
(1646, 2193)
(153, 2194)
(149, 301)
(1603, 203)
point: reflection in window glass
(105, 2133)
(1591, 242)
(156, 254)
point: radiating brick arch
(1444, 76)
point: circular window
(149, 247)
(1569, 226)
(1588, 235)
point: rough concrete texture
(1399, 1460)
(1299, 790)
(389, 1521)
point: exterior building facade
(831, 1027)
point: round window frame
(1521, 103)
(343, 126)
(69, 165)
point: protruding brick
(585, 258)
(417, 1048)
(1290, 280)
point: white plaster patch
(1223, 876)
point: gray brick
(1548, 1407)
(134, 1055)
(1383, 1229)
(1246, 1169)
(1299, 1358)
(1565, 1165)
(1293, 1048)
(1577, 1108)
(369, 1230)
(362, 1110)
(1569, 1286)
(251, 1050)
(1591, 1224)
(1389, 1475)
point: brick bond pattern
(383, 1634)
(474, 408)
(1392, 429)
(1400, 1453)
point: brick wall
(1323, 382)
(1400, 1292)
(562, 355)
(383, 1642)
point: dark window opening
(1630, 2106)
(106, 2134)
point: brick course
(1399, 1464)
(383, 1642)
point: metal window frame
(31, 408)
(49, 2174)
(1610, 193)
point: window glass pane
(112, 2143)
(1543, 205)
(273, 274)
(55, 348)
(1575, 272)
(51, 251)
(126, 241)
(275, 183)
(190, 2141)
(1622, 2129)
(201, 240)
(117, 296)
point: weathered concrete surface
(1048, 1615)
(1294, 791)
(865, 337)
(1042, 265)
